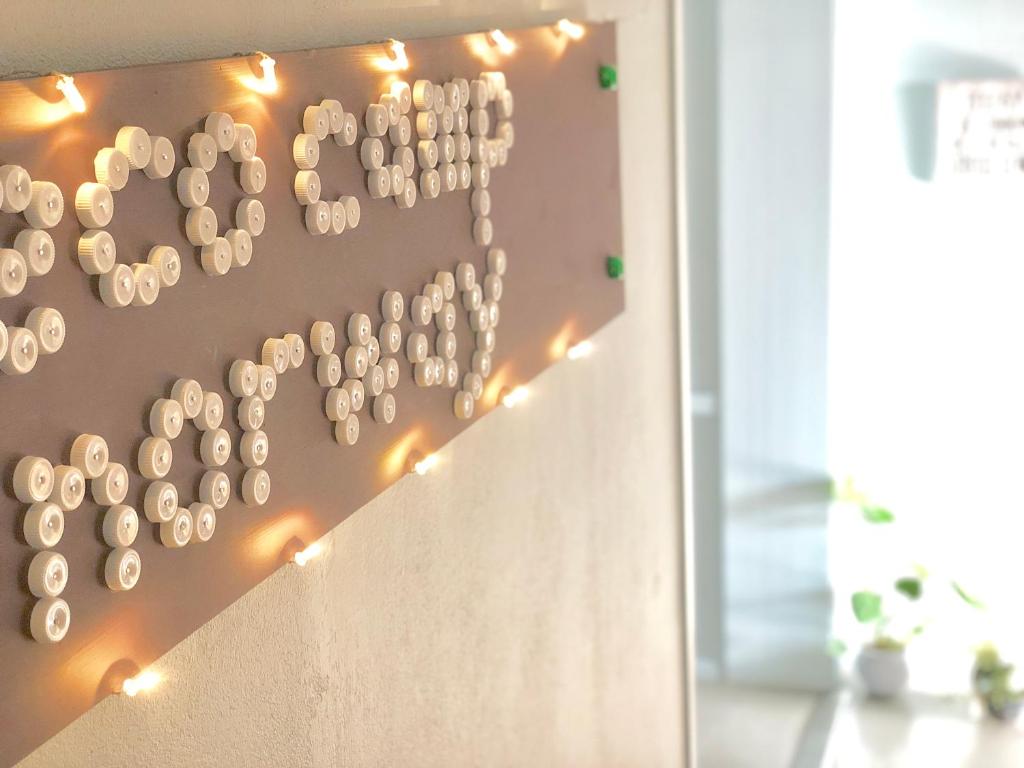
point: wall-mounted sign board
(249, 273)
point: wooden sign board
(556, 213)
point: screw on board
(608, 76)
(615, 267)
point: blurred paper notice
(980, 128)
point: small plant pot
(883, 671)
(989, 686)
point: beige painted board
(556, 212)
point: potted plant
(882, 663)
(993, 682)
(993, 678)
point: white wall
(926, 374)
(520, 606)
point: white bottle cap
(177, 532)
(48, 326)
(122, 569)
(204, 521)
(50, 621)
(22, 352)
(189, 395)
(13, 272)
(244, 146)
(347, 432)
(47, 574)
(161, 161)
(255, 487)
(117, 287)
(33, 479)
(202, 151)
(68, 487)
(215, 488)
(166, 418)
(37, 247)
(111, 485)
(43, 525)
(46, 206)
(147, 284)
(120, 526)
(90, 454)
(161, 502)
(167, 263)
(134, 143)
(251, 412)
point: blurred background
(854, 192)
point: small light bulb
(570, 29)
(66, 85)
(267, 64)
(396, 60)
(304, 556)
(510, 398)
(421, 466)
(265, 84)
(397, 55)
(144, 681)
(580, 349)
(501, 41)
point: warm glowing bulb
(268, 65)
(267, 84)
(580, 349)
(304, 556)
(396, 60)
(425, 464)
(397, 55)
(510, 398)
(501, 41)
(66, 85)
(570, 29)
(144, 681)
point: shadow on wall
(810, 491)
(923, 69)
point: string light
(570, 29)
(268, 65)
(66, 85)
(396, 59)
(580, 350)
(501, 41)
(144, 681)
(303, 556)
(420, 464)
(510, 398)
(266, 84)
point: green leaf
(971, 601)
(877, 514)
(867, 606)
(836, 647)
(909, 587)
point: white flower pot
(883, 670)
